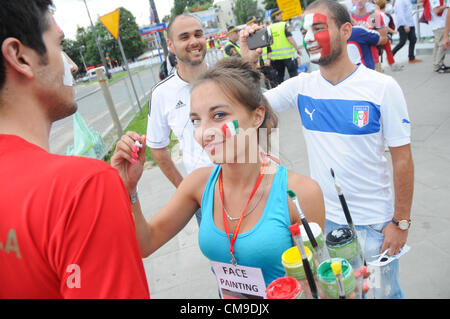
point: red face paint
(60, 31)
(322, 37)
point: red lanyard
(238, 226)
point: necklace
(230, 218)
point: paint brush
(337, 271)
(231, 128)
(347, 214)
(296, 236)
(305, 224)
(348, 217)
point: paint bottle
(285, 288)
(342, 243)
(327, 281)
(318, 235)
(293, 266)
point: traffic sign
(111, 22)
(291, 8)
(153, 28)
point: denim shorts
(384, 281)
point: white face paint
(310, 40)
(67, 78)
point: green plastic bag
(87, 142)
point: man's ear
(346, 30)
(17, 56)
(170, 46)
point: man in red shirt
(66, 226)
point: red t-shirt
(367, 22)
(66, 227)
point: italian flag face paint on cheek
(231, 128)
(318, 38)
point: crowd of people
(65, 218)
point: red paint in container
(284, 288)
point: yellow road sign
(111, 22)
(291, 8)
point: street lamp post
(102, 56)
(81, 49)
(163, 38)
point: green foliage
(129, 35)
(246, 8)
(181, 6)
(270, 4)
(139, 125)
(178, 7)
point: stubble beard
(335, 53)
(56, 95)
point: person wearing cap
(283, 47)
(251, 19)
(231, 48)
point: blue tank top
(261, 246)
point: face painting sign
(316, 38)
(239, 282)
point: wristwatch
(402, 224)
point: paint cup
(327, 280)
(284, 288)
(342, 243)
(317, 232)
(293, 265)
(320, 239)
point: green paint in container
(293, 265)
(342, 243)
(327, 281)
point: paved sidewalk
(179, 270)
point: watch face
(403, 224)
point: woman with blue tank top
(246, 212)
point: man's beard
(332, 56)
(190, 62)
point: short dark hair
(185, 15)
(338, 11)
(26, 21)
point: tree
(244, 9)
(72, 49)
(270, 4)
(129, 35)
(178, 7)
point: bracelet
(134, 197)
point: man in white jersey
(348, 112)
(170, 101)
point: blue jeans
(384, 281)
